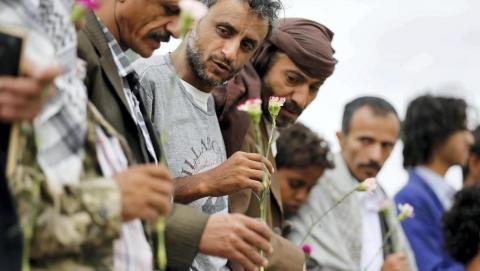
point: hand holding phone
(22, 91)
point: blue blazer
(424, 230)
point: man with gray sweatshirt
(182, 108)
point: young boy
(301, 159)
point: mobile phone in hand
(11, 49)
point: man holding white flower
(293, 64)
(178, 100)
(114, 88)
(350, 236)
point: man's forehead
(286, 64)
(365, 121)
(238, 14)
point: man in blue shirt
(435, 137)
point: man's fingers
(256, 174)
(243, 261)
(256, 241)
(11, 99)
(269, 165)
(159, 203)
(156, 171)
(262, 161)
(261, 229)
(251, 254)
(160, 186)
(253, 156)
(255, 165)
(149, 214)
(255, 185)
(13, 114)
(23, 86)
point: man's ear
(341, 139)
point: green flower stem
(160, 223)
(161, 251)
(28, 229)
(270, 139)
(258, 139)
(310, 229)
(78, 12)
(266, 190)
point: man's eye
(247, 46)
(366, 141)
(295, 184)
(291, 79)
(223, 32)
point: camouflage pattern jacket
(73, 225)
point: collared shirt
(130, 84)
(131, 250)
(372, 238)
(437, 183)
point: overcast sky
(396, 49)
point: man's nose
(301, 96)
(375, 153)
(173, 27)
(230, 49)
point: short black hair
(428, 123)
(300, 147)
(378, 105)
(266, 9)
(461, 225)
(474, 149)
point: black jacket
(10, 234)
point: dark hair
(267, 9)
(300, 147)
(428, 123)
(378, 105)
(461, 225)
(474, 149)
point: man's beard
(194, 56)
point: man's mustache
(370, 165)
(159, 36)
(223, 61)
(293, 107)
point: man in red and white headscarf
(293, 63)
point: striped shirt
(132, 250)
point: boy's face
(295, 185)
(455, 150)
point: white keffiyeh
(61, 126)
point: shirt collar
(121, 60)
(437, 183)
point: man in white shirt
(351, 236)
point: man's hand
(21, 97)
(396, 262)
(241, 171)
(237, 238)
(146, 192)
